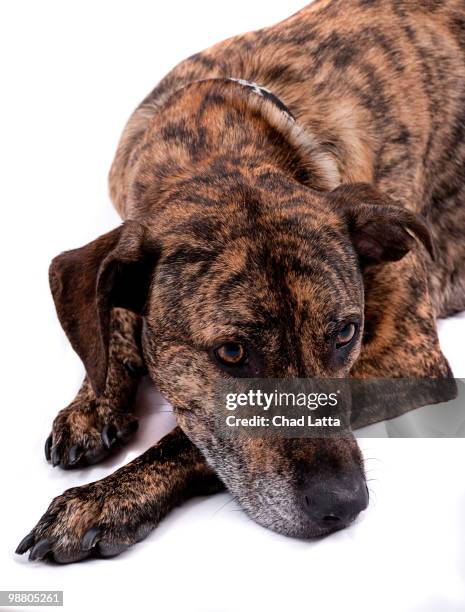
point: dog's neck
(330, 137)
(223, 127)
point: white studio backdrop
(71, 75)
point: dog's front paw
(88, 521)
(87, 431)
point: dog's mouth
(298, 487)
(313, 510)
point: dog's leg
(106, 517)
(92, 426)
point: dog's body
(380, 90)
(266, 223)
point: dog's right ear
(86, 283)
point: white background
(71, 74)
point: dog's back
(381, 85)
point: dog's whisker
(223, 506)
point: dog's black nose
(333, 505)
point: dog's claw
(109, 435)
(40, 550)
(48, 447)
(74, 455)
(55, 457)
(90, 538)
(25, 544)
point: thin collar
(263, 92)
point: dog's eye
(231, 353)
(345, 335)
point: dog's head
(240, 270)
(245, 290)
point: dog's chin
(297, 526)
(278, 509)
(284, 514)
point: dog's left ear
(400, 339)
(380, 230)
(115, 270)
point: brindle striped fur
(242, 225)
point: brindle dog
(274, 233)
